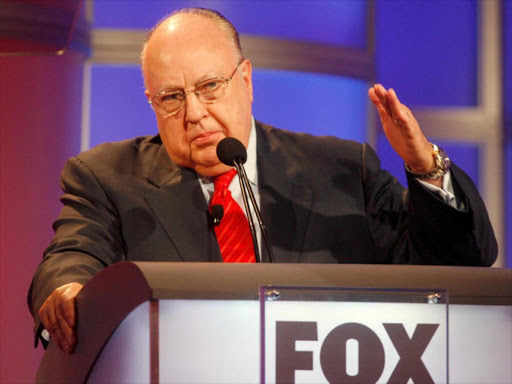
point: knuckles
(57, 305)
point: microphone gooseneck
(231, 151)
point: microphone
(216, 213)
(231, 151)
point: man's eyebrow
(208, 77)
(205, 77)
(166, 88)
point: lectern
(267, 323)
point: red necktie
(233, 233)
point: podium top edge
(466, 285)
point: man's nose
(195, 109)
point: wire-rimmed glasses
(209, 91)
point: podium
(155, 322)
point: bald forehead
(188, 24)
(185, 32)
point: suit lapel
(181, 209)
(285, 197)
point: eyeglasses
(209, 91)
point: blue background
(426, 50)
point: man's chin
(207, 163)
(211, 170)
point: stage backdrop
(443, 58)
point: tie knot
(221, 182)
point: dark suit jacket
(324, 200)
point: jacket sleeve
(415, 226)
(87, 237)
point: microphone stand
(245, 185)
(241, 179)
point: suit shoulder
(310, 145)
(121, 152)
(120, 149)
(131, 156)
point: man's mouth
(207, 138)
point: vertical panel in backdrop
(326, 21)
(298, 101)
(427, 51)
(507, 113)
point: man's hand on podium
(59, 317)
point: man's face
(181, 53)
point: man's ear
(146, 92)
(246, 67)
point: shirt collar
(250, 165)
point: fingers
(372, 93)
(51, 324)
(382, 94)
(398, 110)
(388, 105)
(67, 331)
(382, 109)
(67, 307)
(59, 317)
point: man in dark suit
(324, 200)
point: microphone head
(230, 150)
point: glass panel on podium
(353, 335)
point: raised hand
(403, 131)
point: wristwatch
(442, 165)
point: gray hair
(223, 23)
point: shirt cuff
(447, 193)
(45, 335)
